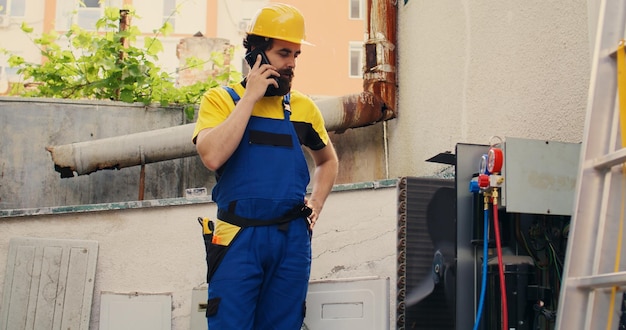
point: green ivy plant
(96, 65)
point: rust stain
(362, 110)
(380, 71)
(66, 168)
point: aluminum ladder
(591, 294)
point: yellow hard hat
(279, 21)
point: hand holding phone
(251, 59)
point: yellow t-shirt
(217, 104)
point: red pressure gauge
(495, 160)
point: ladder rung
(599, 281)
(607, 161)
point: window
(13, 7)
(84, 13)
(357, 9)
(89, 14)
(169, 12)
(356, 60)
(7, 75)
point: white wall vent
(135, 311)
(355, 303)
(48, 284)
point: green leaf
(48, 39)
(112, 13)
(16, 61)
(67, 56)
(127, 96)
(167, 29)
(153, 46)
(190, 112)
(26, 28)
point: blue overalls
(263, 274)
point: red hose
(496, 228)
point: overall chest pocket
(270, 139)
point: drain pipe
(377, 103)
(379, 78)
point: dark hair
(263, 43)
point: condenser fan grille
(416, 250)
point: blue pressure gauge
(484, 162)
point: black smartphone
(251, 59)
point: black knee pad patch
(212, 306)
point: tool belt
(299, 211)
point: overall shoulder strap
(232, 93)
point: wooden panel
(48, 284)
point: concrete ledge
(103, 207)
(387, 183)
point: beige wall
(160, 249)
(470, 70)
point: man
(251, 134)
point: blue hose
(483, 287)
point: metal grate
(418, 241)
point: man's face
(282, 54)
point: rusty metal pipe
(379, 77)
(352, 111)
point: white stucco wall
(469, 70)
(158, 248)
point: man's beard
(284, 84)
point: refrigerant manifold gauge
(495, 160)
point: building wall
(18, 43)
(471, 70)
(232, 21)
(157, 246)
(323, 68)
